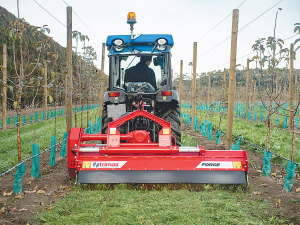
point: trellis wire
(257, 146)
(25, 160)
(47, 149)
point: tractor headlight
(162, 41)
(118, 42)
(118, 49)
(161, 47)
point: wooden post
(296, 87)
(4, 89)
(234, 32)
(88, 101)
(251, 87)
(277, 83)
(79, 79)
(205, 96)
(77, 88)
(254, 94)
(247, 91)
(102, 81)
(208, 96)
(199, 92)
(45, 87)
(180, 84)
(224, 84)
(192, 85)
(82, 85)
(291, 88)
(194, 82)
(212, 91)
(69, 63)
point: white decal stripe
(108, 164)
(215, 164)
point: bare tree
(269, 54)
(27, 70)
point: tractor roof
(144, 38)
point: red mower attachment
(133, 158)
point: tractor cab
(125, 53)
(140, 78)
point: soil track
(55, 184)
(38, 193)
(269, 188)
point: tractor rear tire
(170, 112)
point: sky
(187, 20)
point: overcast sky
(187, 20)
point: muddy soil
(269, 188)
(38, 193)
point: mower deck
(133, 158)
(214, 166)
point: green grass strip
(127, 204)
(44, 131)
(256, 133)
(123, 206)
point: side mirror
(155, 61)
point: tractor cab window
(133, 75)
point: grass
(135, 204)
(123, 206)
(188, 140)
(13, 120)
(265, 113)
(44, 131)
(256, 133)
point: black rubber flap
(161, 176)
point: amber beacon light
(131, 19)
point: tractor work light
(131, 19)
(114, 94)
(162, 41)
(166, 93)
(118, 42)
(161, 48)
(118, 49)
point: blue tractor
(128, 92)
(141, 133)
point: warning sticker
(86, 164)
(112, 130)
(108, 164)
(237, 165)
(215, 164)
(166, 131)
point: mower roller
(140, 140)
